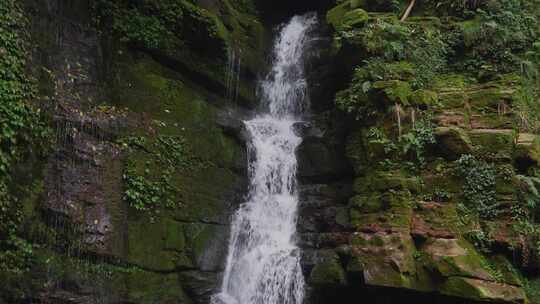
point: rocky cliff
(425, 191)
(418, 171)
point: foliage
(20, 122)
(479, 186)
(355, 98)
(162, 24)
(532, 289)
(410, 146)
(479, 239)
(493, 270)
(530, 233)
(526, 103)
(418, 138)
(529, 191)
(22, 126)
(461, 8)
(142, 193)
(15, 252)
(404, 54)
(437, 195)
(145, 30)
(496, 32)
(523, 213)
(145, 187)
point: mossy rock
(184, 109)
(356, 151)
(159, 246)
(383, 259)
(509, 274)
(434, 220)
(328, 273)
(458, 258)
(497, 142)
(527, 152)
(357, 3)
(355, 18)
(396, 214)
(506, 185)
(147, 288)
(443, 180)
(347, 15)
(453, 142)
(385, 180)
(424, 98)
(366, 203)
(480, 290)
(533, 290)
(396, 91)
(335, 16)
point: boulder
(497, 142)
(453, 142)
(345, 17)
(481, 290)
(328, 272)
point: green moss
(366, 204)
(201, 173)
(382, 181)
(335, 16)
(424, 98)
(357, 3)
(457, 286)
(483, 290)
(383, 259)
(493, 141)
(180, 31)
(355, 18)
(356, 151)
(328, 273)
(199, 237)
(453, 142)
(178, 107)
(397, 211)
(397, 91)
(533, 290)
(147, 287)
(23, 136)
(158, 245)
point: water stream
(263, 265)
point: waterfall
(234, 66)
(263, 264)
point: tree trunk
(408, 10)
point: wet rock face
(98, 248)
(82, 176)
(370, 228)
(83, 180)
(320, 155)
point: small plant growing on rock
(144, 188)
(479, 186)
(418, 138)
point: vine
(479, 186)
(145, 187)
(22, 125)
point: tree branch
(408, 10)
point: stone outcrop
(93, 245)
(384, 232)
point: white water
(263, 265)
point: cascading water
(263, 265)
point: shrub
(479, 186)
(22, 125)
